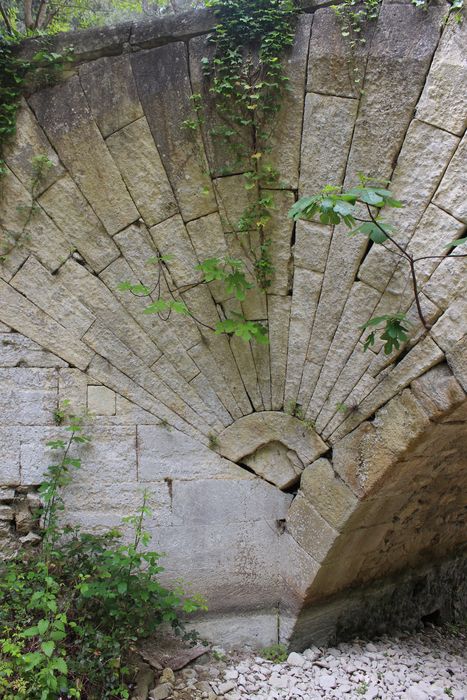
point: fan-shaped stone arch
(129, 182)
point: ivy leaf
(48, 647)
(236, 283)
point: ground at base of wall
(428, 665)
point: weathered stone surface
(96, 297)
(18, 351)
(278, 314)
(123, 358)
(395, 59)
(420, 359)
(72, 387)
(457, 361)
(448, 282)
(311, 245)
(334, 67)
(450, 328)
(171, 239)
(306, 290)
(207, 236)
(324, 152)
(28, 319)
(136, 155)
(168, 374)
(242, 498)
(309, 529)
(357, 310)
(102, 371)
(9, 456)
(28, 142)
(173, 27)
(285, 132)
(28, 397)
(164, 88)
(63, 113)
(328, 493)
(249, 433)
(46, 292)
(245, 362)
(438, 391)
(205, 362)
(101, 400)
(222, 158)
(233, 200)
(279, 231)
(97, 456)
(70, 211)
(164, 453)
(366, 456)
(30, 226)
(423, 158)
(111, 92)
(210, 398)
(275, 463)
(451, 192)
(443, 102)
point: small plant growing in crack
(213, 441)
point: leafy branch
(360, 210)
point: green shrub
(73, 610)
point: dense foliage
(72, 610)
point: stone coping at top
(89, 44)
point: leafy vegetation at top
(73, 610)
(359, 209)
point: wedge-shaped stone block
(285, 132)
(424, 156)
(18, 351)
(134, 151)
(163, 82)
(104, 372)
(395, 59)
(28, 397)
(365, 457)
(28, 142)
(438, 391)
(207, 236)
(249, 433)
(450, 328)
(93, 293)
(222, 159)
(311, 245)
(457, 361)
(278, 315)
(306, 290)
(327, 492)
(46, 291)
(451, 192)
(444, 101)
(210, 398)
(171, 239)
(64, 114)
(23, 220)
(168, 454)
(324, 152)
(309, 529)
(334, 66)
(28, 319)
(70, 211)
(111, 92)
(203, 358)
(421, 358)
(279, 231)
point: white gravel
(425, 666)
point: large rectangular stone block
(9, 456)
(18, 351)
(28, 397)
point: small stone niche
(277, 463)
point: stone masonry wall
(283, 516)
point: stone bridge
(348, 518)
